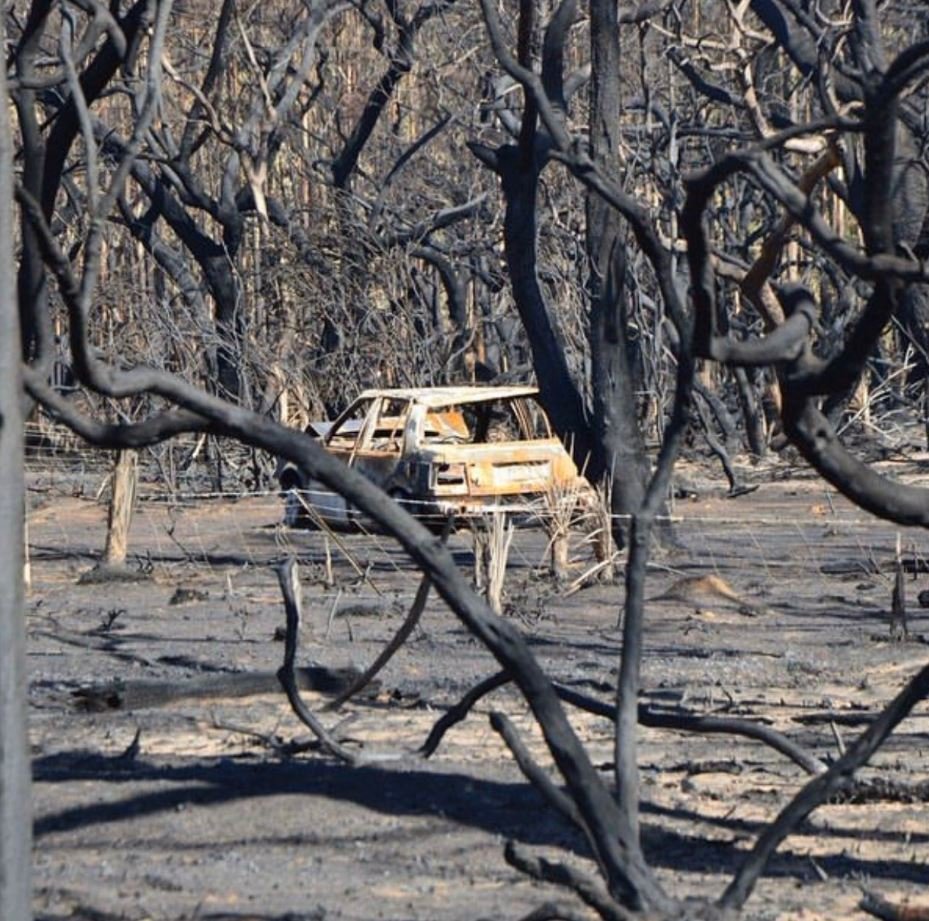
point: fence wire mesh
(797, 529)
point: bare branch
(65, 48)
(456, 714)
(441, 219)
(692, 722)
(876, 905)
(644, 11)
(839, 776)
(785, 343)
(289, 577)
(754, 285)
(533, 772)
(154, 430)
(562, 875)
(399, 638)
(553, 52)
(816, 439)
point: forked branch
(400, 637)
(839, 777)
(289, 576)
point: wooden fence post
(492, 533)
(27, 566)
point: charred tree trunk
(43, 160)
(15, 811)
(620, 451)
(557, 390)
(519, 167)
(32, 290)
(911, 200)
(230, 326)
(915, 303)
(751, 413)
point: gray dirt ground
(206, 818)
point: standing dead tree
(805, 379)
(605, 433)
(15, 811)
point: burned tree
(805, 377)
(627, 886)
(519, 165)
(15, 812)
(604, 432)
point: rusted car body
(442, 451)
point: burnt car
(441, 451)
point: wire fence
(804, 530)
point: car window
(387, 434)
(446, 425)
(490, 421)
(346, 429)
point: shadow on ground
(509, 809)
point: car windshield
(486, 422)
(377, 424)
(370, 425)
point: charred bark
(15, 796)
(519, 173)
(620, 453)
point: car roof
(435, 397)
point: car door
(344, 440)
(368, 436)
(379, 448)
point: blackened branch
(840, 776)
(562, 875)
(289, 576)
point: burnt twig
(289, 577)
(562, 875)
(456, 714)
(687, 722)
(399, 638)
(534, 772)
(821, 788)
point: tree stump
(122, 502)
